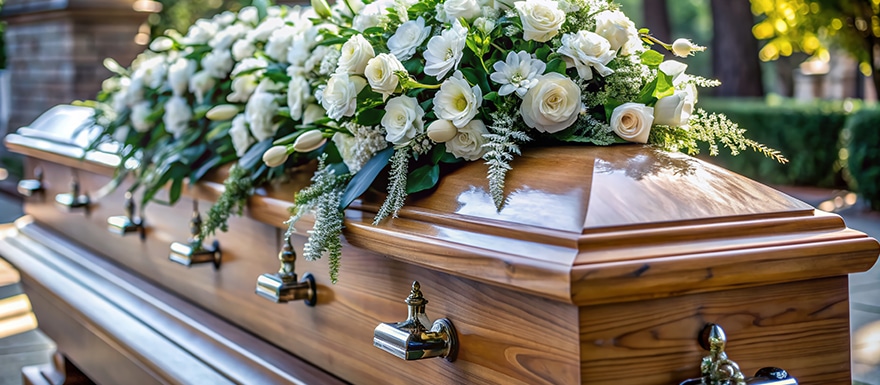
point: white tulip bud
(441, 131)
(321, 8)
(275, 156)
(222, 112)
(685, 48)
(161, 44)
(309, 141)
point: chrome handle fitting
(718, 369)
(282, 287)
(31, 187)
(194, 252)
(128, 223)
(411, 339)
(74, 200)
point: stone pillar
(55, 50)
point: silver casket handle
(412, 339)
(31, 187)
(283, 287)
(74, 200)
(128, 223)
(718, 369)
(194, 252)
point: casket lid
(585, 225)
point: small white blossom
(227, 36)
(242, 88)
(139, 114)
(200, 32)
(249, 15)
(445, 51)
(517, 74)
(265, 29)
(408, 37)
(218, 63)
(177, 116)
(685, 48)
(279, 43)
(298, 92)
(240, 135)
(200, 83)
(259, 111)
(359, 147)
(371, 15)
(243, 48)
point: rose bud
(309, 141)
(441, 131)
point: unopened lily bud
(161, 44)
(321, 8)
(685, 48)
(441, 131)
(309, 141)
(222, 112)
(275, 156)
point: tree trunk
(657, 19)
(735, 50)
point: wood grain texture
(802, 327)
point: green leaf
(543, 52)
(664, 86)
(254, 155)
(644, 31)
(610, 105)
(334, 41)
(370, 117)
(437, 153)
(422, 178)
(365, 177)
(556, 65)
(492, 97)
(176, 187)
(652, 58)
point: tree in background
(811, 26)
(657, 19)
(179, 15)
(734, 50)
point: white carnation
(249, 15)
(139, 114)
(227, 36)
(262, 32)
(241, 137)
(218, 63)
(242, 88)
(279, 43)
(200, 32)
(179, 75)
(298, 92)
(243, 48)
(200, 83)
(259, 112)
(339, 95)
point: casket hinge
(411, 339)
(718, 369)
(283, 287)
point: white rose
(279, 43)
(468, 143)
(200, 33)
(179, 74)
(541, 19)
(218, 63)
(587, 50)
(668, 110)
(240, 135)
(242, 88)
(673, 68)
(259, 111)
(199, 84)
(403, 119)
(262, 32)
(177, 116)
(313, 112)
(249, 15)
(380, 73)
(619, 30)
(298, 92)
(409, 36)
(356, 52)
(632, 122)
(371, 15)
(302, 44)
(552, 105)
(309, 141)
(457, 101)
(467, 9)
(139, 114)
(445, 51)
(243, 48)
(339, 95)
(441, 131)
(227, 36)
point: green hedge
(807, 133)
(862, 132)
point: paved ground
(864, 287)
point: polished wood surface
(622, 243)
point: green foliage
(863, 154)
(237, 188)
(806, 133)
(179, 15)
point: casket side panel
(803, 326)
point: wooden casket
(604, 267)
